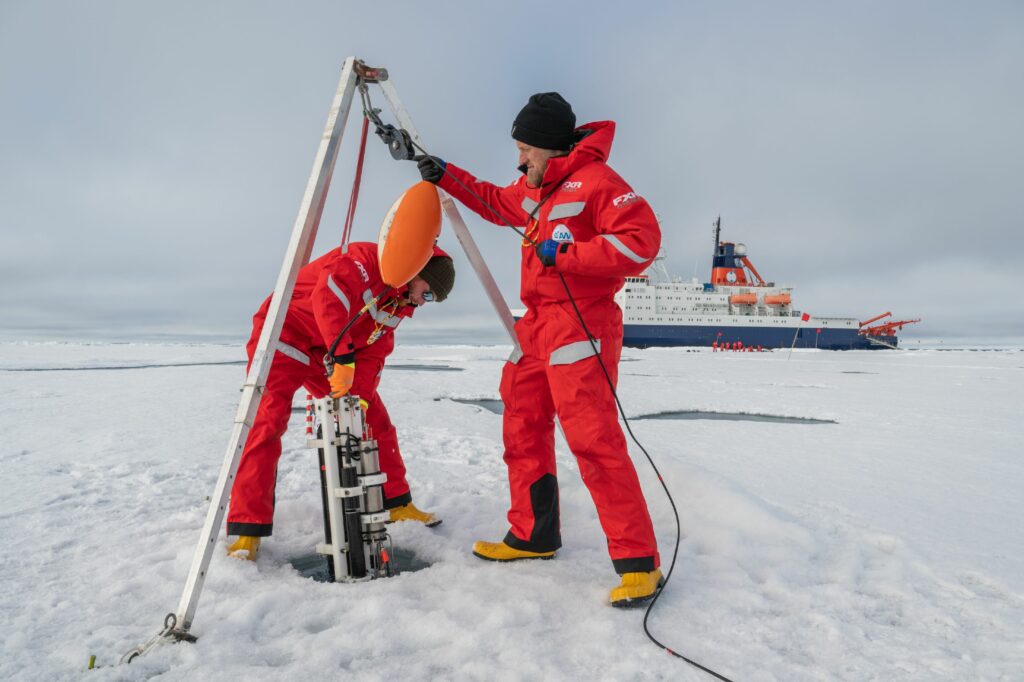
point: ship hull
(652, 336)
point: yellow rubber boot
(409, 512)
(636, 588)
(499, 551)
(245, 547)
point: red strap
(350, 216)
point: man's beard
(532, 177)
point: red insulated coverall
(328, 292)
(612, 233)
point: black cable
(337, 340)
(618, 403)
(334, 346)
(675, 512)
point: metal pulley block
(398, 141)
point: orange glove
(341, 379)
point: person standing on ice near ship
(328, 292)
(584, 222)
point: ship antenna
(718, 232)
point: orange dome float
(407, 235)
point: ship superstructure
(737, 306)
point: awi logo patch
(562, 234)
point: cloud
(155, 155)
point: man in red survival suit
(584, 222)
(328, 292)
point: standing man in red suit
(328, 293)
(582, 223)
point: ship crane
(886, 328)
(753, 271)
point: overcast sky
(153, 155)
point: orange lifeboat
(777, 299)
(743, 299)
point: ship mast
(718, 233)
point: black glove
(431, 168)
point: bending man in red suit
(328, 292)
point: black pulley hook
(399, 141)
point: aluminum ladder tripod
(354, 75)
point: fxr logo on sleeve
(625, 199)
(362, 271)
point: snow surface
(887, 546)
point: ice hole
(315, 565)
